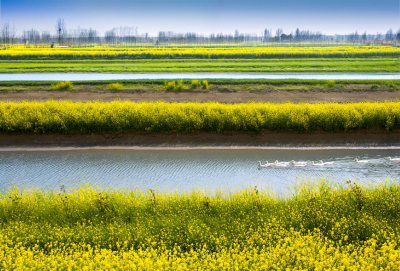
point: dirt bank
(370, 137)
(231, 97)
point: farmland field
(200, 59)
(199, 135)
(205, 65)
(66, 116)
(321, 225)
(199, 52)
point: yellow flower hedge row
(322, 226)
(199, 52)
(66, 116)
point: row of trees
(130, 36)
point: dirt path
(224, 97)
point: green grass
(214, 85)
(205, 65)
(275, 82)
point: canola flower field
(23, 53)
(67, 116)
(320, 226)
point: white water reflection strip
(171, 76)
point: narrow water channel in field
(189, 169)
(173, 76)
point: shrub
(205, 84)
(67, 85)
(169, 85)
(331, 83)
(374, 87)
(195, 84)
(174, 85)
(115, 86)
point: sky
(206, 16)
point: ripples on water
(188, 169)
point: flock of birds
(319, 164)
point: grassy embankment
(66, 116)
(320, 226)
(204, 65)
(220, 85)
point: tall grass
(67, 85)
(321, 225)
(115, 86)
(66, 116)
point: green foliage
(374, 87)
(179, 85)
(343, 215)
(170, 85)
(115, 86)
(174, 85)
(204, 84)
(378, 64)
(67, 85)
(195, 84)
(65, 116)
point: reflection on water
(187, 169)
(166, 76)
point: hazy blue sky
(206, 16)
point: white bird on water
(281, 164)
(361, 161)
(393, 159)
(269, 164)
(317, 164)
(326, 163)
(298, 164)
(265, 165)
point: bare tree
(61, 31)
(389, 34)
(31, 37)
(297, 34)
(7, 34)
(364, 36)
(267, 34)
(279, 33)
(46, 37)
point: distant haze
(206, 16)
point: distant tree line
(129, 36)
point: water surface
(172, 76)
(168, 170)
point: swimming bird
(269, 164)
(261, 165)
(281, 163)
(298, 164)
(326, 163)
(315, 164)
(393, 159)
(361, 161)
